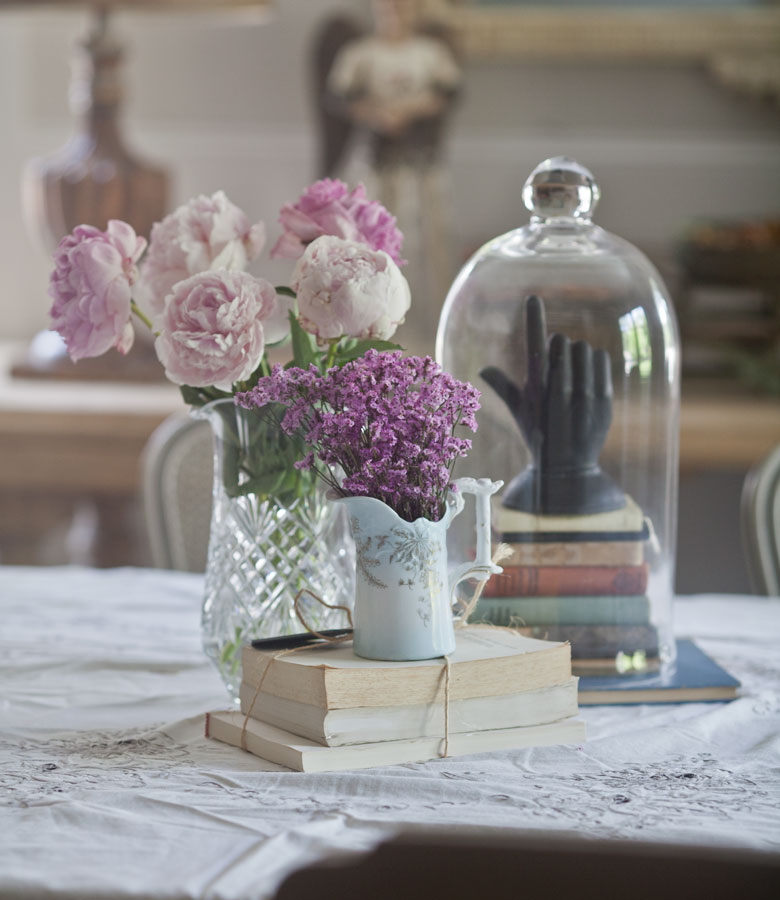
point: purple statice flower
(386, 421)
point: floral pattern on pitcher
(410, 549)
(363, 561)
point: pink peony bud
(346, 289)
(90, 287)
(212, 330)
(328, 207)
(206, 233)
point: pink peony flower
(212, 330)
(347, 289)
(328, 207)
(90, 286)
(206, 233)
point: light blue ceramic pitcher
(404, 589)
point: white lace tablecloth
(109, 789)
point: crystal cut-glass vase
(273, 533)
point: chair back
(177, 480)
(760, 515)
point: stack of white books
(323, 708)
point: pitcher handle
(483, 489)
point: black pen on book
(291, 641)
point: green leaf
(267, 483)
(193, 396)
(285, 291)
(199, 396)
(303, 344)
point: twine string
(502, 551)
(302, 619)
(446, 745)
(259, 688)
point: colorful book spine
(580, 579)
(629, 518)
(573, 610)
(555, 581)
(582, 553)
(572, 537)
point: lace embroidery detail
(683, 792)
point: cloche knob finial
(561, 187)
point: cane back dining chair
(176, 477)
(760, 516)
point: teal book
(573, 537)
(696, 678)
(571, 610)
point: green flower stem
(141, 315)
(330, 359)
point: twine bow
(502, 551)
(302, 619)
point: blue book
(696, 678)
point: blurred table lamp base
(77, 502)
(94, 177)
(91, 179)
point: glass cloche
(569, 333)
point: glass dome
(569, 333)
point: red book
(561, 581)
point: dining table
(109, 787)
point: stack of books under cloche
(576, 578)
(323, 708)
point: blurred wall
(225, 103)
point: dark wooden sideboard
(69, 467)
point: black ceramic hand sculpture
(564, 411)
